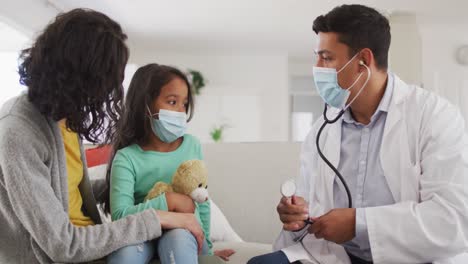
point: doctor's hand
(292, 212)
(338, 225)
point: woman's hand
(170, 220)
(179, 203)
(224, 254)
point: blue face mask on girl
(170, 126)
(326, 83)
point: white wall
(423, 53)
(249, 92)
(440, 71)
(20, 21)
(12, 42)
(10, 78)
(405, 56)
(27, 16)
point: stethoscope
(334, 169)
(334, 120)
(288, 188)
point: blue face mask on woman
(326, 83)
(170, 126)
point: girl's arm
(204, 209)
(205, 217)
(179, 203)
(122, 189)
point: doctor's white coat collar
(332, 135)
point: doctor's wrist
(300, 229)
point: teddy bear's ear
(185, 166)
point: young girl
(151, 144)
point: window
(306, 106)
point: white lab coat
(424, 156)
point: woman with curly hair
(73, 73)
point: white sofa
(244, 181)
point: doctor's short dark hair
(358, 27)
(74, 70)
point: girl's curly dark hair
(74, 71)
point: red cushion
(98, 156)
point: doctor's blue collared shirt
(360, 167)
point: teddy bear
(190, 179)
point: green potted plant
(196, 80)
(217, 132)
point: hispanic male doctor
(402, 151)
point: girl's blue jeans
(174, 246)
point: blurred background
(255, 57)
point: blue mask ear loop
(151, 115)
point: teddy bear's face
(200, 194)
(191, 179)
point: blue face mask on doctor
(326, 83)
(170, 126)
